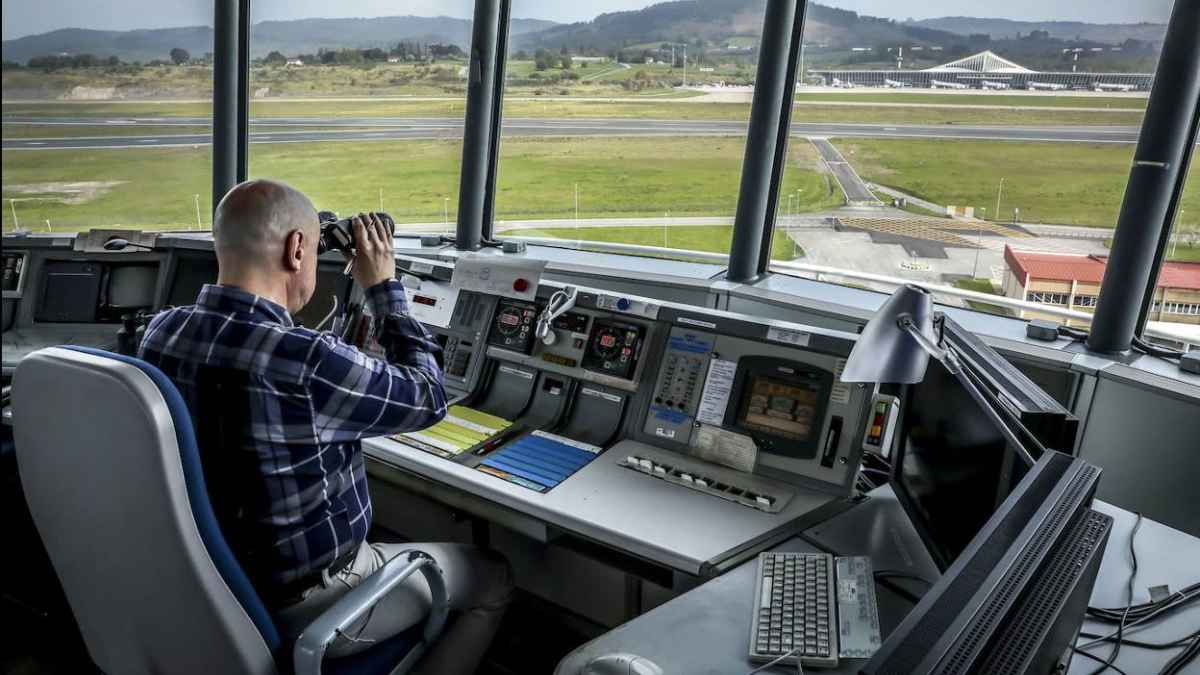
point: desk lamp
(895, 348)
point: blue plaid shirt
(279, 412)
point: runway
(313, 129)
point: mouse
(621, 664)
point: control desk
(686, 436)
(682, 436)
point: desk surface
(707, 630)
(655, 520)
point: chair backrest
(109, 466)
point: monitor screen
(952, 465)
(785, 409)
(190, 276)
(330, 282)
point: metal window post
(1155, 184)
(482, 124)
(243, 91)
(766, 140)
(225, 106)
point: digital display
(953, 464)
(608, 340)
(424, 300)
(509, 319)
(784, 409)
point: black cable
(900, 574)
(1184, 598)
(1155, 350)
(899, 590)
(1137, 524)
(1179, 642)
(1181, 659)
(1097, 658)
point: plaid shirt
(279, 412)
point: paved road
(856, 191)
(312, 129)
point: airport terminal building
(986, 70)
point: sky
(27, 17)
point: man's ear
(293, 251)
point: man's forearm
(403, 338)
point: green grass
(1058, 183)
(641, 177)
(617, 177)
(656, 103)
(1176, 251)
(982, 286)
(72, 131)
(710, 238)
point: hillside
(289, 37)
(715, 22)
(1107, 33)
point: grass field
(711, 238)
(982, 286)
(1058, 183)
(617, 177)
(661, 104)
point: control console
(512, 327)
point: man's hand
(374, 262)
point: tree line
(404, 51)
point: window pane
(360, 104)
(987, 152)
(626, 122)
(1174, 318)
(104, 130)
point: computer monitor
(330, 282)
(191, 273)
(1013, 600)
(952, 465)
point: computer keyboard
(795, 610)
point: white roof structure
(983, 62)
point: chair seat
(377, 660)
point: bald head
(265, 234)
(254, 219)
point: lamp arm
(955, 365)
(906, 324)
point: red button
(520, 285)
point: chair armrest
(310, 647)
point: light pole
(196, 198)
(998, 191)
(577, 205)
(446, 211)
(979, 244)
(12, 204)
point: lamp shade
(887, 353)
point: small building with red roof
(1072, 281)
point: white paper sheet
(510, 277)
(717, 386)
(729, 448)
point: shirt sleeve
(356, 396)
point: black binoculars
(338, 235)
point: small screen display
(783, 409)
(510, 319)
(424, 300)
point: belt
(292, 592)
